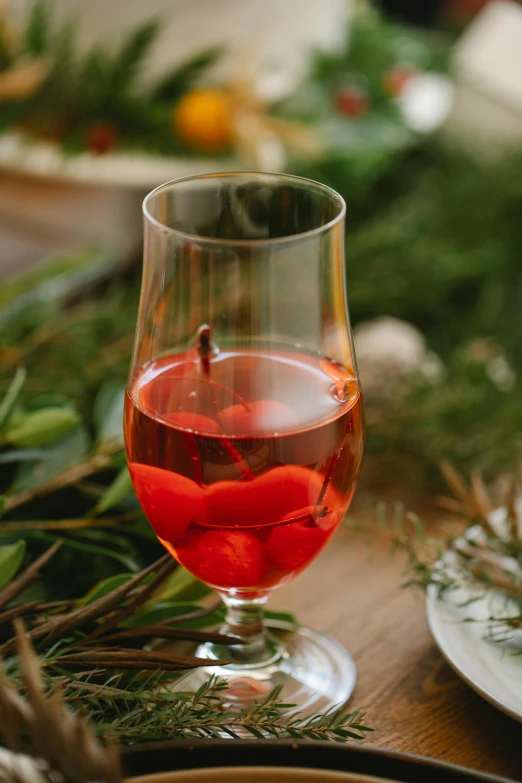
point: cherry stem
(210, 381)
(205, 348)
(333, 462)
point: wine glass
(243, 417)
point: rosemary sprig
(481, 555)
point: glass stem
(245, 620)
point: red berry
(224, 558)
(192, 421)
(101, 137)
(292, 547)
(352, 101)
(265, 499)
(170, 501)
(262, 416)
(396, 80)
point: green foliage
(37, 31)
(175, 84)
(11, 556)
(41, 427)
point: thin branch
(15, 587)
(95, 463)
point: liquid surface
(246, 463)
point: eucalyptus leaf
(11, 396)
(22, 455)
(285, 617)
(42, 426)
(11, 556)
(119, 489)
(182, 586)
(104, 587)
(108, 412)
(61, 455)
(51, 400)
(172, 609)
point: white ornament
(390, 353)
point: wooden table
(416, 703)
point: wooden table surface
(416, 703)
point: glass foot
(315, 671)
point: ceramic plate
(284, 761)
(464, 636)
(118, 169)
(492, 668)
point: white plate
(493, 669)
(118, 169)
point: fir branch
(127, 62)
(37, 31)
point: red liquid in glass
(244, 487)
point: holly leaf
(11, 556)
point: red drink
(244, 487)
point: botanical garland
(97, 101)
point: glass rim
(287, 238)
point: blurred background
(412, 111)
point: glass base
(315, 671)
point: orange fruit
(202, 120)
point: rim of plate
(433, 602)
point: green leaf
(37, 31)
(22, 455)
(11, 556)
(108, 412)
(11, 396)
(132, 54)
(104, 587)
(181, 586)
(119, 489)
(285, 617)
(42, 426)
(172, 86)
(58, 457)
(171, 609)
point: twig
(162, 631)
(95, 463)
(15, 587)
(64, 524)
(115, 619)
